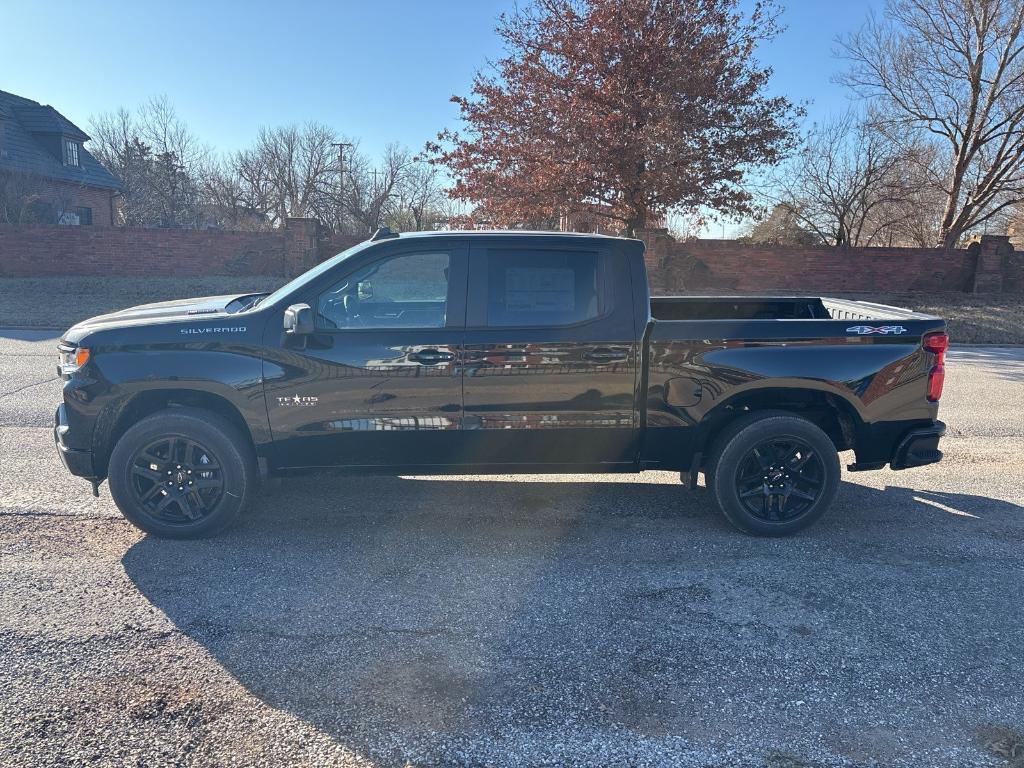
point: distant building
(46, 174)
(1015, 229)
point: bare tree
(782, 226)
(171, 179)
(235, 196)
(372, 190)
(846, 185)
(421, 199)
(952, 71)
(915, 217)
(290, 170)
(160, 163)
(21, 197)
(116, 143)
(294, 172)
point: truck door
(550, 358)
(378, 383)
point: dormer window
(70, 152)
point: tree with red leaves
(626, 108)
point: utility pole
(341, 145)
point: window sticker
(540, 289)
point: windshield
(312, 274)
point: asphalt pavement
(518, 621)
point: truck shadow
(437, 612)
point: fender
(233, 374)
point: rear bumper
(918, 447)
(77, 462)
(900, 448)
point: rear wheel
(773, 474)
(182, 473)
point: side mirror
(298, 320)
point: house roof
(27, 133)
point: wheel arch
(145, 403)
(833, 414)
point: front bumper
(76, 461)
(918, 447)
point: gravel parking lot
(515, 621)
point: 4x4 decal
(885, 330)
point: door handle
(430, 357)
(605, 355)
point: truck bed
(774, 308)
(753, 351)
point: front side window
(405, 291)
(529, 288)
(70, 152)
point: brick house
(46, 174)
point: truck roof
(503, 233)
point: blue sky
(379, 71)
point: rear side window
(527, 288)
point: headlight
(71, 359)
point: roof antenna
(383, 233)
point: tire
(773, 473)
(182, 473)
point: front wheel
(182, 473)
(774, 474)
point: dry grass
(59, 302)
(972, 319)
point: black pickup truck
(494, 352)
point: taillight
(937, 344)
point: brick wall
(335, 244)
(29, 251)
(37, 251)
(1013, 274)
(698, 266)
(724, 266)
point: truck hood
(158, 313)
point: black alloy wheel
(182, 473)
(177, 480)
(780, 479)
(773, 473)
